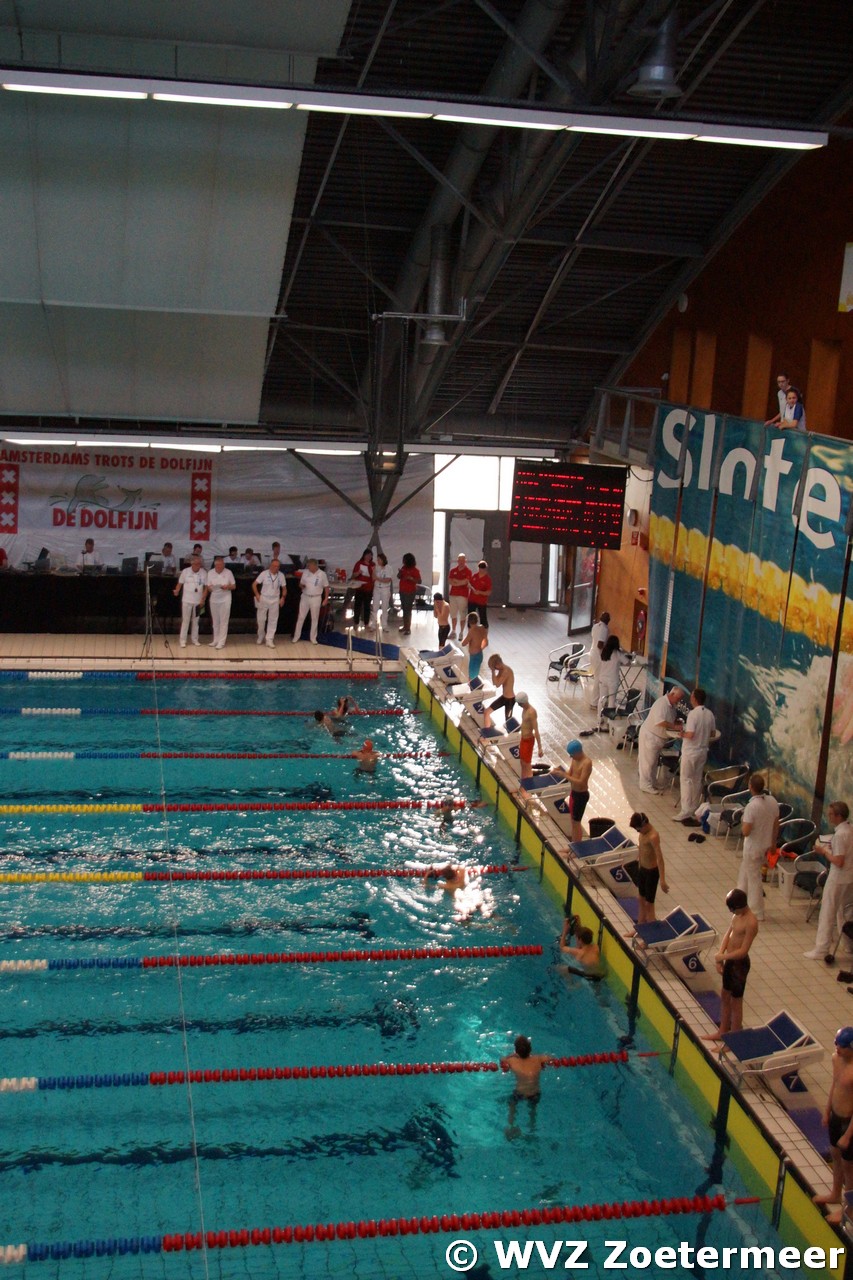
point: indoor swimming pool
(152, 1093)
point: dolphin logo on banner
(89, 492)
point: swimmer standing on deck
(838, 1117)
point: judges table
(106, 602)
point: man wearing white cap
(458, 580)
(529, 734)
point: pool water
(127, 1162)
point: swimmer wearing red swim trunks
(529, 735)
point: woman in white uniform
(612, 661)
(220, 584)
(597, 639)
(382, 584)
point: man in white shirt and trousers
(269, 591)
(760, 826)
(695, 739)
(652, 737)
(220, 585)
(192, 583)
(598, 636)
(314, 595)
(837, 897)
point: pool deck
(699, 875)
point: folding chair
(558, 658)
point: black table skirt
(114, 603)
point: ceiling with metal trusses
(555, 254)
(563, 250)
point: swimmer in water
(366, 758)
(586, 953)
(344, 706)
(449, 877)
(325, 720)
(449, 807)
(466, 888)
(526, 1067)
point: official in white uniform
(192, 583)
(696, 737)
(760, 826)
(382, 584)
(314, 595)
(837, 897)
(652, 737)
(611, 661)
(89, 558)
(220, 585)
(269, 591)
(598, 636)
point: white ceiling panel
(306, 25)
(130, 363)
(145, 204)
(148, 237)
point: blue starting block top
(678, 924)
(436, 654)
(511, 726)
(779, 1034)
(595, 847)
(541, 781)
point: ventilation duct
(439, 285)
(656, 74)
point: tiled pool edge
(759, 1153)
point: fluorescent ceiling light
(186, 448)
(39, 440)
(637, 129)
(255, 448)
(74, 92)
(390, 105)
(502, 122)
(268, 103)
(338, 453)
(114, 444)
(334, 109)
(783, 139)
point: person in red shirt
(479, 590)
(409, 578)
(363, 574)
(459, 579)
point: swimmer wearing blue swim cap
(839, 1121)
(577, 773)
